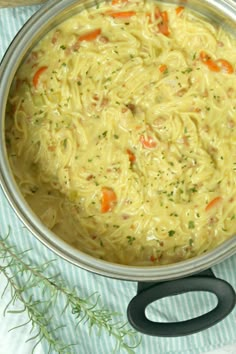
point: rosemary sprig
(24, 278)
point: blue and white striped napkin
(114, 294)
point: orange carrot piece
(164, 25)
(131, 155)
(148, 142)
(37, 75)
(179, 10)
(90, 36)
(225, 66)
(213, 203)
(211, 64)
(109, 199)
(122, 14)
(162, 68)
(157, 13)
(118, 2)
(204, 56)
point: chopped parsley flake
(130, 239)
(191, 224)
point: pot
(153, 282)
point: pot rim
(33, 29)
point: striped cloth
(114, 294)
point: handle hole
(181, 307)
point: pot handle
(150, 292)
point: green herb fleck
(130, 239)
(171, 233)
(65, 143)
(191, 224)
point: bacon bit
(109, 199)
(148, 142)
(90, 177)
(231, 124)
(132, 157)
(93, 237)
(213, 220)
(37, 75)
(51, 148)
(225, 66)
(131, 107)
(220, 44)
(185, 140)
(197, 110)
(95, 97)
(33, 57)
(214, 202)
(152, 258)
(90, 36)
(230, 92)
(74, 48)
(121, 15)
(103, 39)
(163, 68)
(181, 92)
(179, 10)
(55, 36)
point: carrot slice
(148, 142)
(225, 66)
(211, 64)
(162, 68)
(90, 36)
(204, 56)
(118, 2)
(38, 74)
(109, 199)
(179, 10)
(164, 25)
(218, 65)
(213, 203)
(131, 155)
(123, 14)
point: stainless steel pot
(172, 279)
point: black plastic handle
(150, 292)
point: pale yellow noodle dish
(121, 132)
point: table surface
(12, 3)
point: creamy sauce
(121, 132)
